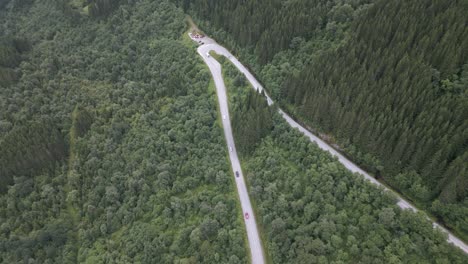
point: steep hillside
(386, 81)
(109, 146)
(312, 209)
(266, 27)
(401, 96)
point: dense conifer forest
(385, 80)
(313, 210)
(252, 118)
(109, 147)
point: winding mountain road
(207, 45)
(256, 250)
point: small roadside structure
(196, 35)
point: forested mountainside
(252, 121)
(386, 80)
(109, 147)
(311, 208)
(269, 26)
(402, 97)
(10, 56)
(111, 152)
(266, 27)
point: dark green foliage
(51, 237)
(402, 96)
(81, 122)
(387, 81)
(251, 121)
(269, 26)
(7, 76)
(16, 3)
(315, 211)
(10, 57)
(97, 8)
(3, 3)
(29, 149)
(144, 181)
(251, 115)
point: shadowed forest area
(109, 146)
(311, 208)
(385, 80)
(111, 149)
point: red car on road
(246, 215)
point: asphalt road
(255, 245)
(207, 45)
